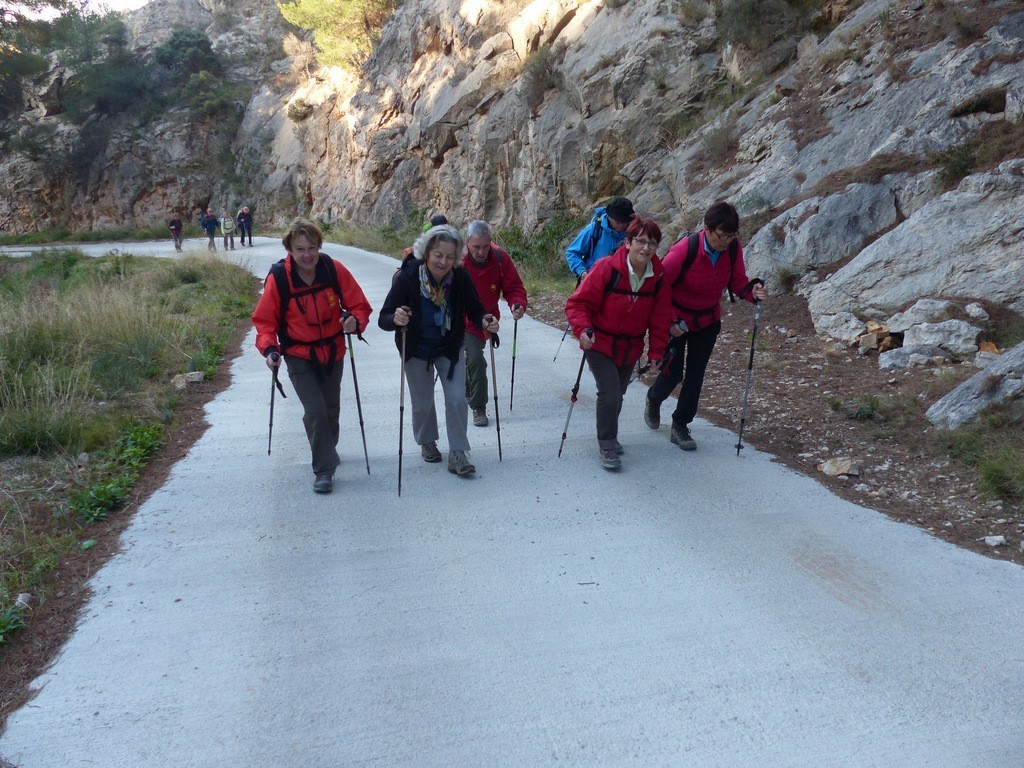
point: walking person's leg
(699, 348)
(609, 398)
(456, 409)
(476, 378)
(671, 375)
(420, 378)
(320, 400)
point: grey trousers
(420, 377)
(321, 405)
(612, 381)
(476, 371)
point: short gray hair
(443, 233)
(479, 229)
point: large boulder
(1002, 380)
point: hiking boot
(430, 453)
(459, 464)
(652, 413)
(681, 437)
(609, 458)
(324, 483)
(479, 417)
(618, 448)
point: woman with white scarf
(431, 295)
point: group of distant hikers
(443, 310)
(210, 223)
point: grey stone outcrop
(1002, 380)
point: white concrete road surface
(693, 609)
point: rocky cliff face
(835, 144)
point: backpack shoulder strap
(613, 283)
(595, 235)
(692, 247)
(332, 275)
(284, 289)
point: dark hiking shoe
(324, 483)
(459, 464)
(652, 413)
(430, 453)
(618, 448)
(681, 437)
(610, 459)
(479, 417)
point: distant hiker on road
(227, 229)
(494, 276)
(244, 221)
(177, 228)
(697, 269)
(600, 237)
(309, 302)
(624, 298)
(208, 223)
(430, 299)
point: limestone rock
(840, 466)
(957, 337)
(843, 326)
(923, 311)
(182, 380)
(921, 259)
(908, 357)
(976, 311)
(1001, 380)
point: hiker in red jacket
(623, 299)
(495, 277)
(309, 302)
(697, 269)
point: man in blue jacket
(600, 237)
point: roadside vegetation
(52, 236)
(88, 353)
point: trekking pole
(512, 386)
(572, 399)
(564, 334)
(567, 327)
(401, 415)
(494, 386)
(750, 375)
(274, 382)
(359, 405)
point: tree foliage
(185, 53)
(345, 31)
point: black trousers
(690, 354)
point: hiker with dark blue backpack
(697, 269)
(600, 237)
(309, 303)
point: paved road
(691, 610)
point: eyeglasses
(645, 243)
(728, 238)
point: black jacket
(405, 292)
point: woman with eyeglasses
(431, 295)
(623, 298)
(697, 269)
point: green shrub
(185, 53)
(299, 110)
(539, 76)
(541, 257)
